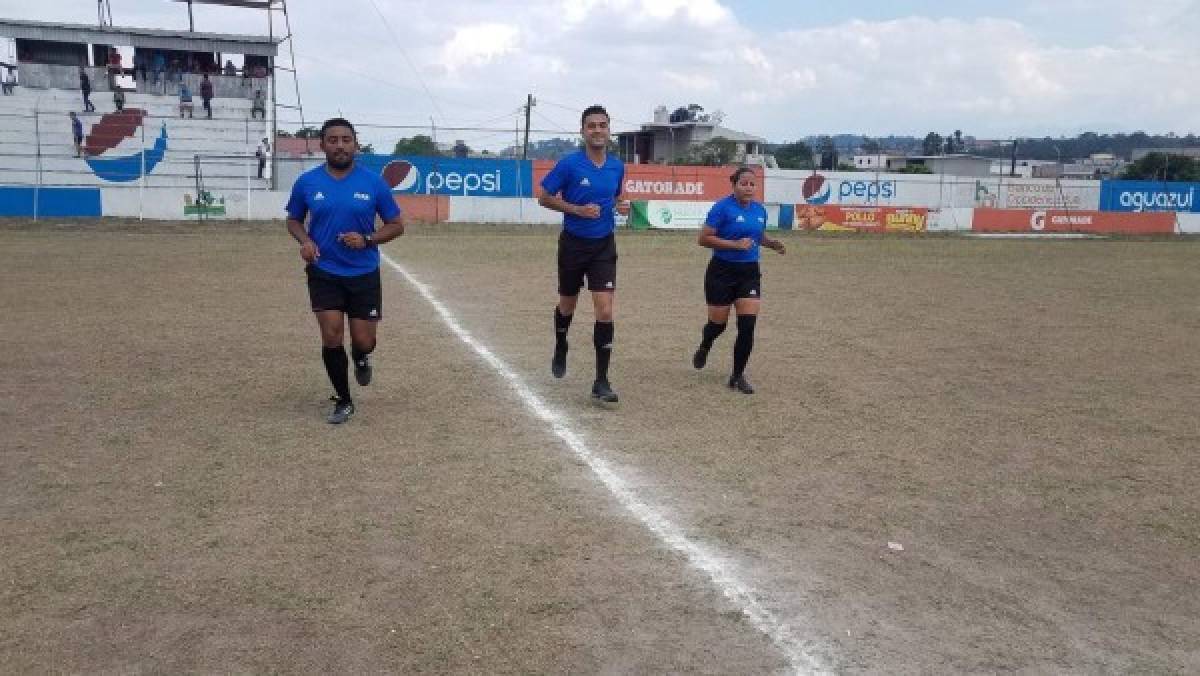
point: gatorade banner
(827, 218)
(1094, 222)
(668, 182)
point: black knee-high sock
(335, 366)
(744, 343)
(357, 353)
(710, 333)
(602, 338)
(562, 324)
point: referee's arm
(556, 203)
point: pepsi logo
(401, 175)
(816, 190)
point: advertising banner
(668, 182)
(1011, 193)
(860, 219)
(462, 177)
(674, 215)
(820, 188)
(1138, 196)
(1094, 222)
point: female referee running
(734, 229)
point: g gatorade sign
(671, 183)
(1140, 196)
(1059, 221)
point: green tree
(716, 151)
(829, 153)
(932, 144)
(308, 132)
(367, 149)
(798, 155)
(417, 145)
(872, 147)
(1162, 167)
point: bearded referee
(341, 200)
(585, 187)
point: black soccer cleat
(700, 358)
(740, 384)
(558, 365)
(342, 410)
(602, 391)
(362, 371)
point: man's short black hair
(337, 122)
(592, 110)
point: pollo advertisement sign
(669, 183)
(1053, 221)
(860, 219)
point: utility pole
(528, 109)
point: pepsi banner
(462, 177)
(1139, 196)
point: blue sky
(782, 70)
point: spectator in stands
(157, 65)
(230, 69)
(206, 93)
(77, 132)
(119, 98)
(85, 87)
(185, 100)
(260, 105)
(139, 64)
(10, 80)
(261, 153)
(114, 67)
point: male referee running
(341, 200)
(586, 187)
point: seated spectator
(260, 71)
(260, 105)
(185, 100)
(119, 98)
(10, 80)
(77, 132)
(158, 65)
(230, 69)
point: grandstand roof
(153, 38)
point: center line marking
(799, 653)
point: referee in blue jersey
(734, 229)
(585, 187)
(341, 200)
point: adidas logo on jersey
(741, 219)
(608, 285)
(373, 313)
(753, 292)
(319, 196)
(585, 181)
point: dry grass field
(1020, 416)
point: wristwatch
(368, 240)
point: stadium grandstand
(150, 141)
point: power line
(396, 43)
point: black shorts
(580, 257)
(359, 296)
(725, 282)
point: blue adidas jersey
(582, 182)
(733, 221)
(340, 206)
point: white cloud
(479, 44)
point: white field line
(798, 652)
